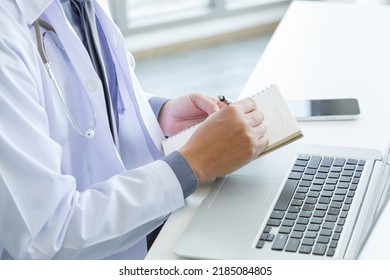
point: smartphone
(325, 109)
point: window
(134, 16)
(237, 4)
(144, 12)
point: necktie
(83, 12)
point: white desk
(322, 50)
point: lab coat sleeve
(42, 214)
(157, 103)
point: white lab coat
(62, 195)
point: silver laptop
(299, 202)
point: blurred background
(208, 46)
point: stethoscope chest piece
(90, 133)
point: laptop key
(297, 202)
(320, 249)
(294, 209)
(291, 216)
(362, 162)
(311, 235)
(297, 234)
(323, 169)
(280, 242)
(330, 252)
(277, 215)
(329, 188)
(326, 232)
(297, 168)
(273, 222)
(322, 207)
(308, 207)
(352, 161)
(303, 157)
(292, 245)
(270, 237)
(260, 244)
(264, 236)
(323, 239)
(349, 167)
(336, 237)
(324, 200)
(333, 244)
(339, 162)
(302, 221)
(343, 214)
(267, 229)
(285, 230)
(300, 227)
(319, 213)
(336, 204)
(327, 162)
(288, 223)
(331, 218)
(304, 249)
(346, 207)
(308, 241)
(338, 229)
(313, 227)
(348, 200)
(314, 162)
(295, 175)
(328, 225)
(286, 195)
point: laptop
(299, 202)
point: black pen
(225, 100)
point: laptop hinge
(380, 196)
(384, 182)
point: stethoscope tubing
(90, 132)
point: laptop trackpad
(237, 205)
(240, 193)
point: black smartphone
(325, 109)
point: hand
(227, 140)
(186, 111)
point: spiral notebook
(282, 127)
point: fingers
(255, 118)
(257, 130)
(245, 105)
(260, 131)
(262, 140)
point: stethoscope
(90, 131)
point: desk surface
(322, 50)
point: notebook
(299, 202)
(282, 127)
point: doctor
(83, 176)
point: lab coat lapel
(88, 78)
(136, 93)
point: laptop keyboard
(312, 208)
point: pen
(225, 100)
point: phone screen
(325, 109)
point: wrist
(183, 171)
(195, 162)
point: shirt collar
(31, 10)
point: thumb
(205, 103)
